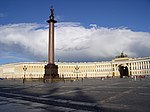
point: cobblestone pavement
(88, 95)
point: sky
(87, 30)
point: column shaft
(51, 43)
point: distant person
(23, 80)
(135, 78)
(132, 77)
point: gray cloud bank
(73, 42)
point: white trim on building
(136, 66)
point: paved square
(115, 95)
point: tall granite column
(51, 70)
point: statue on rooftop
(122, 55)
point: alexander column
(51, 70)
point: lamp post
(77, 68)
(24, 69)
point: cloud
(93, 25)
(29, 40)
(73, 41)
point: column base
(51, 71)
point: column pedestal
(51, 71)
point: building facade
(119, 67)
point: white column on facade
(141, 65)
(130, 69)
(131, 66)
(143, 68)
(145, 64)
(148, 65)
(137, 65)
(115, 69)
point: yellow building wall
(76, 70)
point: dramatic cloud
(73, 42)
(27, 40)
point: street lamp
(77, 68)
(24, 69)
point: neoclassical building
(120, 66)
